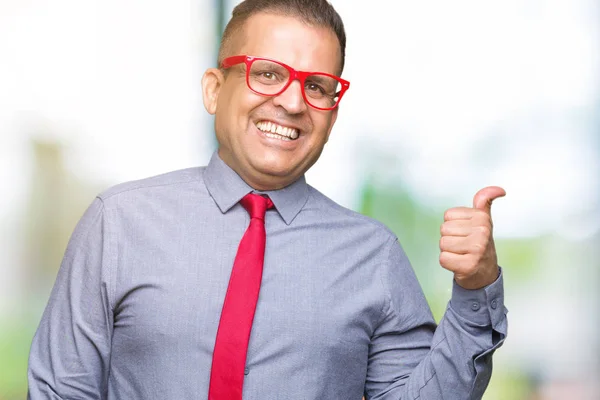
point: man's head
(306, 35)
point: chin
(275, 169)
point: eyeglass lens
(269, 78)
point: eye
(314, 88)
(268, 75)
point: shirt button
(494, 304)
(246, 371)
(475, 306)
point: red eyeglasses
(271, 78)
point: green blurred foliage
(15, 340)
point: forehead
(291, 41)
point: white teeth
(292, 133)
(274, 136)
(277, 131)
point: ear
(212, 81)
(334, 115)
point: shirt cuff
(483, 306)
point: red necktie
(231, 345)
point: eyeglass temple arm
(231, 61)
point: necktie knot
(256, 205)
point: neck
(259, 181)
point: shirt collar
(227, 188)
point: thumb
(483, 199)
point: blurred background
(446, 98)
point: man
(157, 294)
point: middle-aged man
(168, 290)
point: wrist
(479, 280)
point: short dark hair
(313, 12)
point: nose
(291, 99)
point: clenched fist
(467, 245)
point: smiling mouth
(275, 131)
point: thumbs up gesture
(467, 245)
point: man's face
(266, 161)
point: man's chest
(318, 294)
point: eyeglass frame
(294, 75)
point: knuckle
(445, 261)
(484, 218)
(448, 215)
(442, 260)
(478, 248)
(485, 230)
(443, 241)
(471, 264)
(442, 257)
